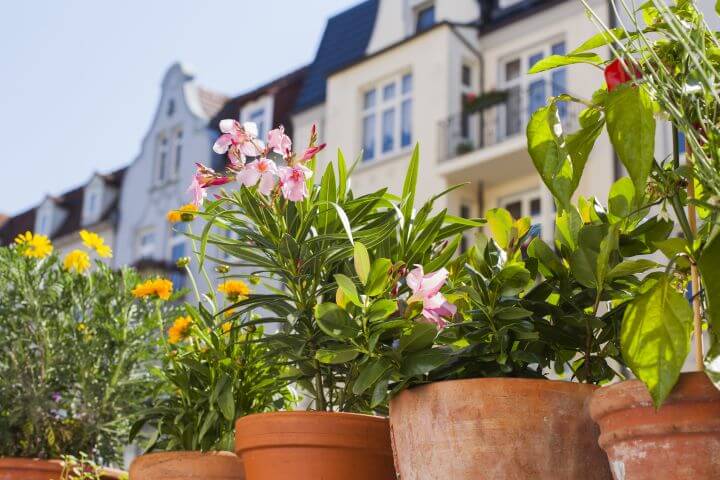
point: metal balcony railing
(504, 117)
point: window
(387, 118)
(526, 204)
(44, 224)
(425, 18)
(146, 244)
(92, 204)
(170, 107)
(681, 142)
(467, 122)
(178, 152)
(507, 3)
(258, 117)
(531, 91)
(466, 75)
(162, 160)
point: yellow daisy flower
(226, 327)
(34, 245)
(95, 242)
(179, 330)
(186, 213)
(77, 261)
(234, 290)
(159, 287)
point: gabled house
(92, 206)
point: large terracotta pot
(496, 429)
(187, 465)
(314, 446)
(680, 440)
(12, 468)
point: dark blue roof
(345, 40)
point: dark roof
(71, 203)
(493, 17)
(345, 40)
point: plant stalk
(694, 276)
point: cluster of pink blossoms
(426, 289)
(241, 141)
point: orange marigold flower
(160, 287)
(179, 330)
(234, 289)
(186, 213)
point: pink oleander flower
(263, 170)
(238, 141)
(311, 152)
(426, 289)
(278, 142)
(204, 177)
(292, 182)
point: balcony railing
(504, 117)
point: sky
(80, 79)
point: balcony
(500, 119)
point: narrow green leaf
(599, 40)
(342, 175)
(709, 266)
(410, 184)
(555, 61)
(655, 337)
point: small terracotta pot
(496, 428)
(680, 440)
(187, 465)
(314, 445)
(12, 468)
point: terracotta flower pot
(680, 440)
(314, 445)
(187, 465)
(12, 468)
(496, 429)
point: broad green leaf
(511, 280)
(226, 402)
(584, 260)
(655, 337)
(378, 277)
(420, 337)
(547, 258)
(420, 363)
(709, 266)
(670, 247)
(631, 126)
(567, 227)
(335, 322)
(500, 222)
(555, 61)
(621, 200)
(380, 393)
(605, 260)
(581, 142)
(370, 373)
(381, 309)
(599, 40)
(549, 153)
(334, 357)
(348, 288)
(362, 262)
(631, 267)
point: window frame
(144, 252)
(378, 110)
(419, 11)
(525, 197)
(524, 81)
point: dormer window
(44, 222)
(162, 160)
(425, 18)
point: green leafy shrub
(74, 344)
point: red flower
(615, 74)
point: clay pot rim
(30, 463)
(562, 384)
(180, 459)
(48, 465)
(310, 428)
(691, 387)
